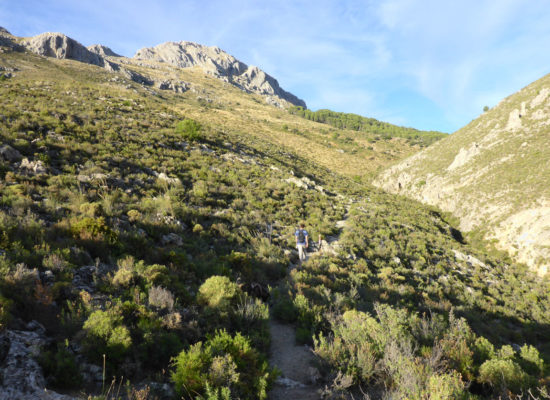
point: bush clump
(189, 129)
(106, 334)
(218, 292)
(223, 363)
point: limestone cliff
(493, 174)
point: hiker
(302, 242)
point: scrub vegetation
(135, 224)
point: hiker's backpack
(301, 236)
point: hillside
(147, 246)
(359, 123)
(493, 174)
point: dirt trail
(295, 363)
(299, 376)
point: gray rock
(102, 51)
(58, 45)
(20, 375)
(7, 40)
(136, 77)
(162, 391)
(219, 64)
(176, 86)
(172, 239)
(33, 167)
(8, 153)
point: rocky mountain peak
(58, 45)
(102, 51)
(220, 64)
(4, 31)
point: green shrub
(6, 306)
(90, 228)
(502, 374)
(446, 387)
(284, 310)
(106, 334)
(189, 130)
(531, 361)
(483, 350)
(218, 292)
(224, 361)
(60, 367)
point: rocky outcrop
(175, 86)
(102, 51)
(219, 64)
(7, 40)
(58, 45)
(137, 77)
(20, 375)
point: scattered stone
(289, 383)
(314, 375)
(172, 181)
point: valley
(147, 239)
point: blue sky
(429, 64)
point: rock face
(218, 63)
(493, 174)
(20, 375)
(102, 51)
(58, 45)
(7, 40)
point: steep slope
(493, 174)
(357, 155)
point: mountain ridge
(218, 63)
(492, 174)
(212, 60)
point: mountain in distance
(212, 60)
(493, 174)
(218, 63)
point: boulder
(172, 239)
(8, 153)
(33, 167)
